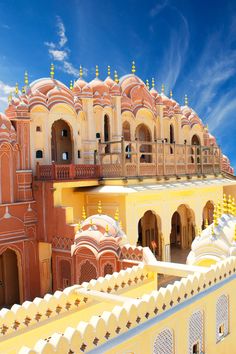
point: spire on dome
(84, 213)
(99, 207)
(116, 79)
(23, 89)
(147, 84)
(163, 89)
(17, 88)
(71, 85)
(117, 217)
(206, 223)
(108, 70)
(9, 97)
(52, 72)
(153, 83)
(97, 71)
(186, 100)
(133, 70)
(80, 72)
(171, 94)
(26, 79)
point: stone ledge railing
(89, 335)
(21, 318)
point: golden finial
(80, 72)
(215, 216)
(186, 100)
(234, 238)
(171, 94)
(97, 71)
(225, 205)
(212, 231)
(116, 77)
(99, 207)
(163, 89)
(233, 207)
(9, 97)
(26, 79)
(147, 84)
(153, 82)
(84, 213)
(199, 231)
(16, 88)
(219, 209)
(108, 70)
(133, 70)
(229, 204)
(23, 90)
(107, 228)
(71, 85)
(206, 223)
(116, 217)
(52, 72)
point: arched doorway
(149, 232)
(207, 215)
(182, 233)
(196, 152)
(61, 143)
(143, 134)
(172, 135)
(107, 133)
(9, 279)
(195, 140)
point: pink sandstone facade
(92, 132)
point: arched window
(126, 131)
(195, 340)
(172, 138)
(39, 154)
(65, 274)
(108, 269)
(87, 272)
(164, 342)
(128, 150)
(222, 317)
(107, 132)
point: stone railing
(142, 158)
(67, 172)
(90, 335)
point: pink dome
(7, 131)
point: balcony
(157, 159)
(127, 159)
(67, 172)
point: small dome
(7, 131)
(98, 86)
(44, 85)
(79, 85)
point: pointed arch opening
(61, 143)
(107, 133)
(207, 215)
(143, 134)
(149, 232)
(182, 233)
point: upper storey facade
(124, 127)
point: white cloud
(5, 88)
(61, 32)
(59, 55)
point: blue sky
(190, 46)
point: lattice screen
(222, 316)
(196, 331)
(164, 343)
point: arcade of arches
(182, 231)
(61, 143)
(9, 279)
(143, 134)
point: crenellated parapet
(127, 313)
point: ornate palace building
(112, 145)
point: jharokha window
(39, 154)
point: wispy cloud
(155, 10)
(175, 53)
(5, 89)
(60, 53)
(5, 26)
